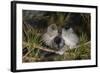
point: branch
(37, 47)
(49, 50)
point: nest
(32, 46)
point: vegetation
(33, 51)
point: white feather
(49, 36)
(71, 39)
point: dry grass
(35, 51)
(34, 46)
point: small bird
(58, 38)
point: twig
(27, 53)
(49, 50)
(36, 46)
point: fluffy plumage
(68, 38)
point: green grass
(35, 55)
(32, 40)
